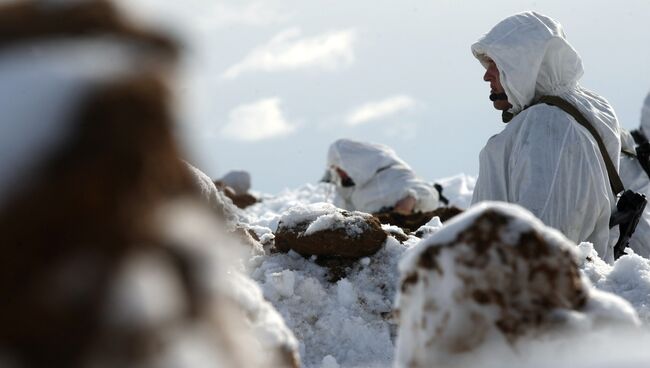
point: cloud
(380, 109)
(288, 51)
(257, 121)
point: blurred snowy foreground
(430, 301)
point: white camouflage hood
(361, 160)
(533, 56)
(534, 60)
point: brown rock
(338, 242)
(243, 200)
(397, 233)
(240, 200)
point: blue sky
(267, 85)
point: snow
(323, 216)
(300, 214)
(283, 283)
(349, 319)
(458, 189)
(350, 322)
(346, 323)
(330, 362)
(267, 212)
(628, 278)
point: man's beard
(498, 96)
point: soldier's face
(492, 76)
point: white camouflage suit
(381, 178)
(544, 160)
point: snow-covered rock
(324, 230)
(495, 275)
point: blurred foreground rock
(110, 256)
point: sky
(267, 85)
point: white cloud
(257, 121)
(287, 51)
(380, 109)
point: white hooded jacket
(543, 159)
(381, 178)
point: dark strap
(443, 199)
(506, 116)
(639, 136)
(643, 155)
(614, 180)
(383, 168)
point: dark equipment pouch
(643, 155)
(639, 136)
(629, 209)
(630, 205)
(642, 149)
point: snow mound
(495, 275)
(346, 323)
(350, 323)
(628, 278)
(458, 189)
(268, 211)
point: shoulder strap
(614, 180)
(639, 136)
